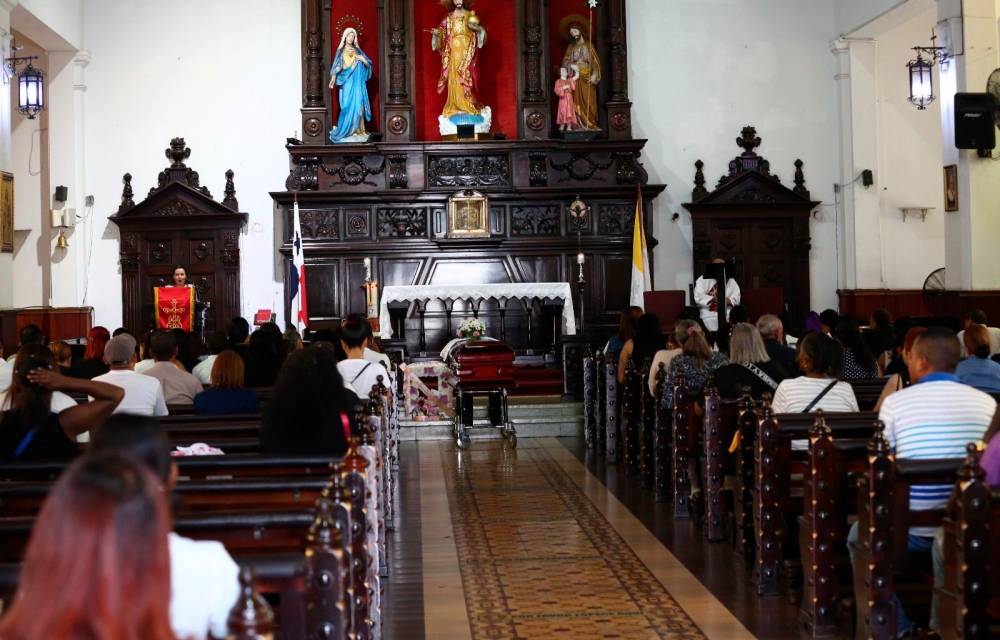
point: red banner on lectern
(174, 307)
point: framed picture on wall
(951, 188)
(6, 212)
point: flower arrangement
(472, 329)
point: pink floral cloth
(418, 403)
(197, 449)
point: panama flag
(297, 276)
(640, 256)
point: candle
(579, 259)
(368, 268)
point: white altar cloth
(499, 292)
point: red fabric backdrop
(497, 66)
(367, 12)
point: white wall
(226, 80)
(62, 19)
(854, 14)
(29, 164)
(910, 170)
(700, 70)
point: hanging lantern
(31, 92)
(921, 82)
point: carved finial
(699, 181)
(971, 470)
(748, 140)
(250, 618)
(178, 153)
(324, 526)
(800, 180)
(230, 194)
(127, 201)
(820, 428)
(878, 446)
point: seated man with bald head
(935, 417)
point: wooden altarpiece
(752, 218)
(179, 223)
(387, 199)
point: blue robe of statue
(354, 104)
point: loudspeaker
(974, 128)
(62, 193)
(867, 178)
(466, 131)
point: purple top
(990, 462)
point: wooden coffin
(483, 365)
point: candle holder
(581, 287)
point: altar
(524, 293)
(405, 110)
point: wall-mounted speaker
(974, 128)
(62, 193)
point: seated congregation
(235, 493)
(856, 473)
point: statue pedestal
(448, 126)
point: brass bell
(62, 242)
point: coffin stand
(484, 368)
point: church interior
(480, 319)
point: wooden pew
(970, 596)
(868, 391)
(720, 424)
(835, 453)
(196, 467)
(685, 444)
(884, 520)
(192, 496)
(776, 506)
(590, 400)
(662, 446)
(744, 474)
(648, 410)
(600, 409)
(631, 418)
(612, 414)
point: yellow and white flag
(640, 256)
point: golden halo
(349, 22)
(570, 20)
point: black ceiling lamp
(922, 73)
(30, 84)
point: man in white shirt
(936, 417)
(6, 372)
(359, 374)
(705, 290)
(143, 394)
(179, 387)
(217, 343)
(978, 316)
(204, 579)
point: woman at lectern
(180, 277)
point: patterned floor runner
(538, 560)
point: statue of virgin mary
(350, 72)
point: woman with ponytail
(978, 370)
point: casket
(482, 365)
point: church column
(859, 210)
(314, 90)
(969, 31)
(67, 88)
(6, 259)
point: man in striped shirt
(934, 418)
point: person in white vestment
(705, 297)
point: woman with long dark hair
(648, 339)
(102, 533)
(264, 356)
(626, 331)
(92, 364)
(310, 410)
(29, 429)
(859, 363)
